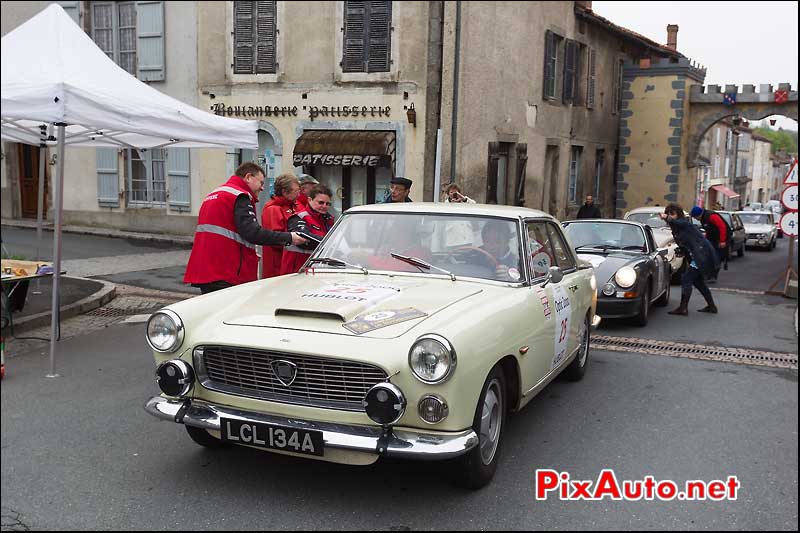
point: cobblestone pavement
(106, 266)
(131, 304)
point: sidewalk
(102, 232)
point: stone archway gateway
(708, 107)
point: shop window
(131, 34)
(367, 37)
(255, 37)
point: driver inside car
(496, 235)
(404, 240)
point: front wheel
(740, 251)
(643, 315)
(663, 300)
(577, 368)
(476, 468)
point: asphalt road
(758, 269)
(79, 452)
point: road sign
(788, 224)
(789, 197)
(791, 176)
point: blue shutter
(179, 179)
(150, 37)
(107, 177)
(73, 10)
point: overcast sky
(738, 42)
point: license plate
(271, 436)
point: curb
(101, 297)
(102, 232)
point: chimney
(585, 5)
(672, 36)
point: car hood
(373, 306)
(606, 266)
(758, 228)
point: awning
(345, 148)
(725, 191)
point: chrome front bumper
(368, 439)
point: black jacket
(589, 211)
(688, 237)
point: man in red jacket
(716, 232)
(275, 217)
(314, 221)
(223, 253)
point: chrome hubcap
(491, 418)
(584, 344)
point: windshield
(727, 217)
(754, 218)
(469, 246)
(606, 235)
(651, 219)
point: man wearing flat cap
(400, 188)
(306, 183)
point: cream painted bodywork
(485, 322)
(663, 237)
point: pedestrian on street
(453, 195)
(702, 257)
(306, 181)
(718, 233)
(275, 217)
(223, 253)
(589, 210)
(314, 221)
(399, 191)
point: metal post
(454, 118)
(58, 205)
(437, 170)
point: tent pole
(59, 204)
(40, 204)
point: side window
(541, 253)
(561, 253)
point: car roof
(613, 220)
(647, 209)
(752, 212)
(505, 211)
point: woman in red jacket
(275, 217)
(314, 221)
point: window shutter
(179, 178)
(380, 36)
(266, 26)
(243, 46)
(491, 173)
(150, 41)
(568, 93)
(522, 163)
(591, 79)
(547, 92)
(355, 34)
(107, 177)
(73, 10)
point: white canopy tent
(59, 88)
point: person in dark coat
(702, 257)
(589, 210)
(400, 189)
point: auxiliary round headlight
(625, 277)
(165, 331)
(609, 289)
(433, 409)
(175, 378)
(384, 403)
(432, 359)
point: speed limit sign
(789, 197)
(788, 223)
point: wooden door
(29, 181)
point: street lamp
(411, 114)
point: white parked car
(662, 235)
(397, 339)
(760, 228)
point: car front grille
(320, 382)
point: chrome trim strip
(402, 443)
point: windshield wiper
(336, 262)
(419, 263)
(601, 247)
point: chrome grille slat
(320, 382)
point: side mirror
(663, 252)
(554, 275)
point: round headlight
(175, 378)
(384, 403)
(165, 331)
(432, 359)
(625, 277)
(609, 289)
(432, 409)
